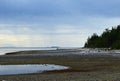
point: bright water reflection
(26, 69)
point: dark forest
(108, 39)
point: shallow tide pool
(27, 69)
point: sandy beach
(84, 66)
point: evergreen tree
(108, 39)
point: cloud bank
(54, 22)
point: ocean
(4, 50)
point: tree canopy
(108, 39)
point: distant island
(108, 39)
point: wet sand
(100, 66)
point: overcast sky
(65, 23)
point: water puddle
(27, 69)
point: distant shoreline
(65, 52)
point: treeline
(108, 39)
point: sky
(64, 23)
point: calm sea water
(26, 69)
(4, 50)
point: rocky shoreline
(84, 66)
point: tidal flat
(90, 66)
